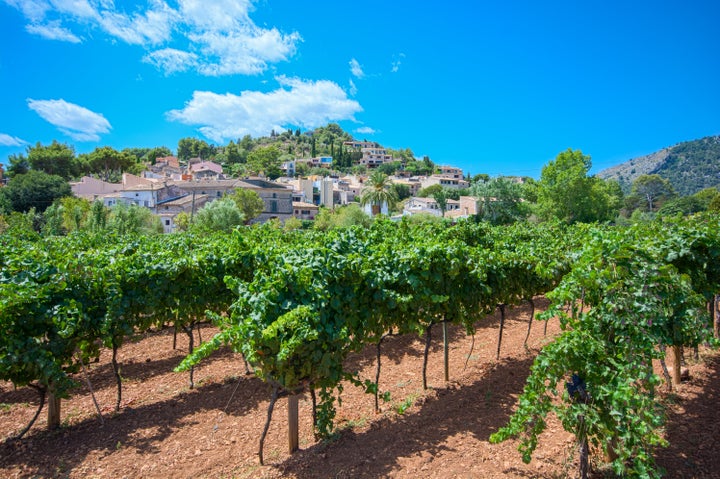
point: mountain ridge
(690, 166)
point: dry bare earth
(166, 430)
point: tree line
(564, 191)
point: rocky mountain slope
(690, 166)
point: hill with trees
(690, 166)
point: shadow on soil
(398, 348)
(235, 397)
(102, 376)
(478, 410)
(694, 435)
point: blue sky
(497, 88)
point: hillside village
(308, 176)
(169, 188)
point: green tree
(53, 221)
(20, 225)
(401, 190)
(342, 217)
(108, 163)
(98, 216)
(220, 215)
(246, 143)
(5, 204)
(35, 189)
(18, 164)
(194, 148)
(389, 168)
(232, 153)
(133, 220)
(248, 202)
(500, 201)
(266, 160)
(706, 196)
(424, 167)
(684, 206)
(301, 169)
(377, 192)
(653, 189)
(480, 178)
(54, 159)
(148, 155)
(73, 213)
(566, 192)
(441, 197)
(292, 224)
(429, 191)
(155, 153)
(182, 221)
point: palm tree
(378, 191)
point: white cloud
(365, 130)
(396, 63)
(34, 10)
(153, 27)
(171, 61)
(76, 8)
(7, 140)
(245, 51)
(219, 15)
(300, 103)
(219, 36)
(356, 68)
(53, 31)
(353, 88)
(77, 122)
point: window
(167, 222)
(273, 206)
(219, 194)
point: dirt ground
(167, 430)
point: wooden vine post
(500, 333)
(677, 359)
(53, 421)
(578, 394)
(293, 429)
(446, 351)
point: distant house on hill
(446, 181)
(462, 208)
(206, 169)
(305, 211)
(359, 145)
(92, 189)
(169, 209)
(374, 157)
(276, 197)
(427, 205)
(167, 166)
(450, 172)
